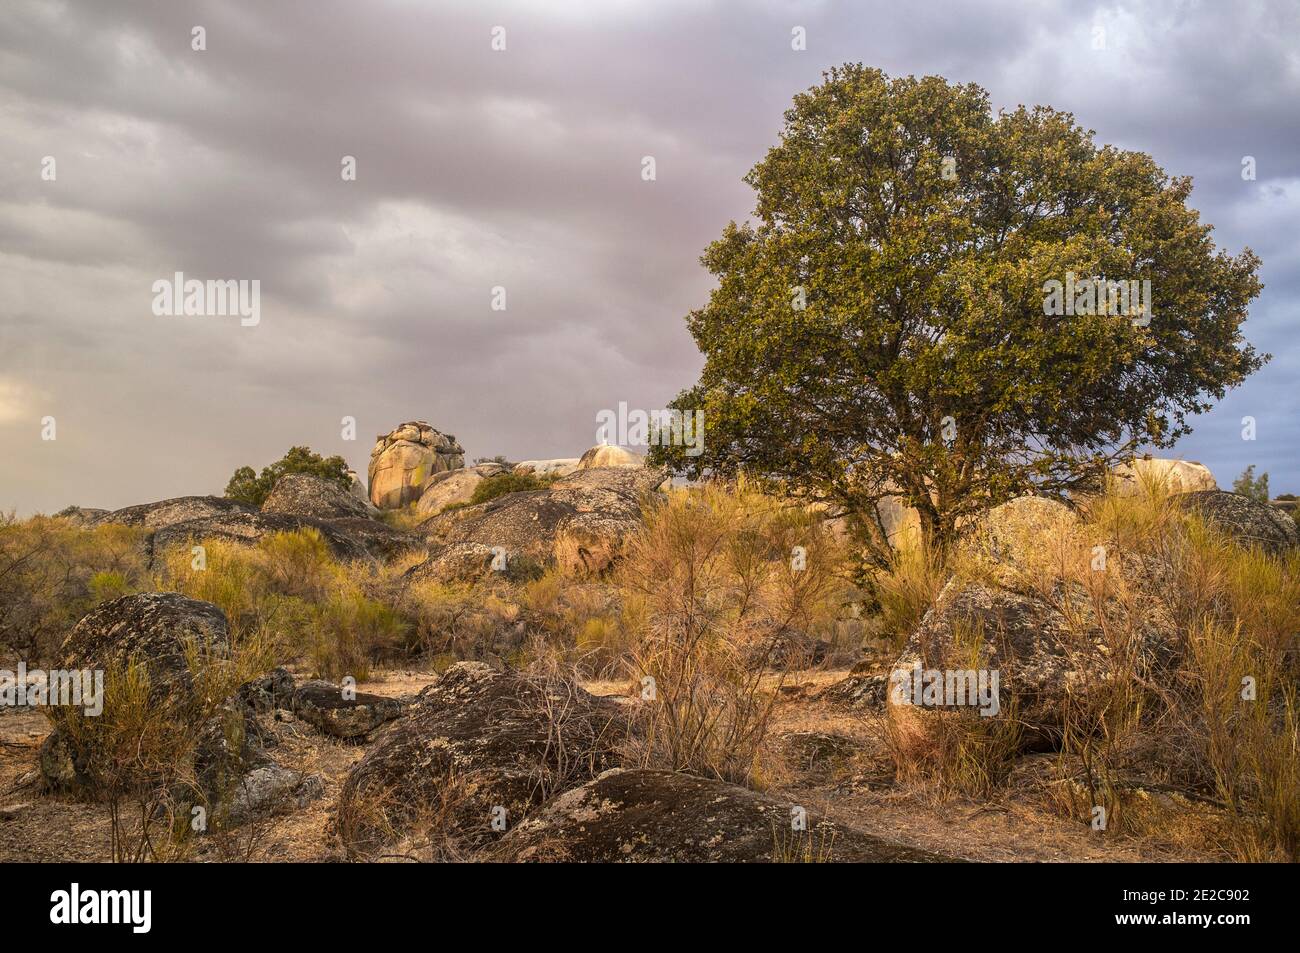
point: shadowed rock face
(1249, 522)
(666, 817)
(351, 535)
(475, 740)
(323, 706)
(580, 520)
(300, 494)
(169, 512)
(404, 459)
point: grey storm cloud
(478, 168)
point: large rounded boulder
(477, 751)
(1175, 476)
(1028, 663)
(455, 487)
(157, 631)
(1247, 521)
(403, 460)
(579, 522)
(159, 634)
(301, 494)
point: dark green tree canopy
(880, 327)
(248, 487)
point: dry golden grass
(1181, 716)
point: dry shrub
(907, 590)
(288, 589)
(955, 750)
(52, 573)
(1190, 621)
(144, 746)
(715, 592)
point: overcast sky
(518, 168)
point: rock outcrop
(667, 817)
(169, 512)
(580, 521)
(1247, 521)
(404, 459)
(1177, 476)
(559, 467)
(475, 741)
(607, 456)
(83, 516)
(249, 528)
(300, 494)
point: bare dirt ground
(853, 788)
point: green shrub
(247, 486)
(504, 483)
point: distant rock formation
(562, 466)
(606, 456)
(1179, 476)
(580, 522)
(404, 459)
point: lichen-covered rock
(1046, 663)
(272, 691)
(269, 789)
(666, 817)
(1249, 522)
(864, 691)
(158, 633)
(323, 705)
(404, 459)
(153, 630)
(472, 562)
(300, 494)
(607, 456)
(169, 512)
(1176, 476)
(476, 741)
(580, 521)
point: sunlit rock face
(405, 459)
